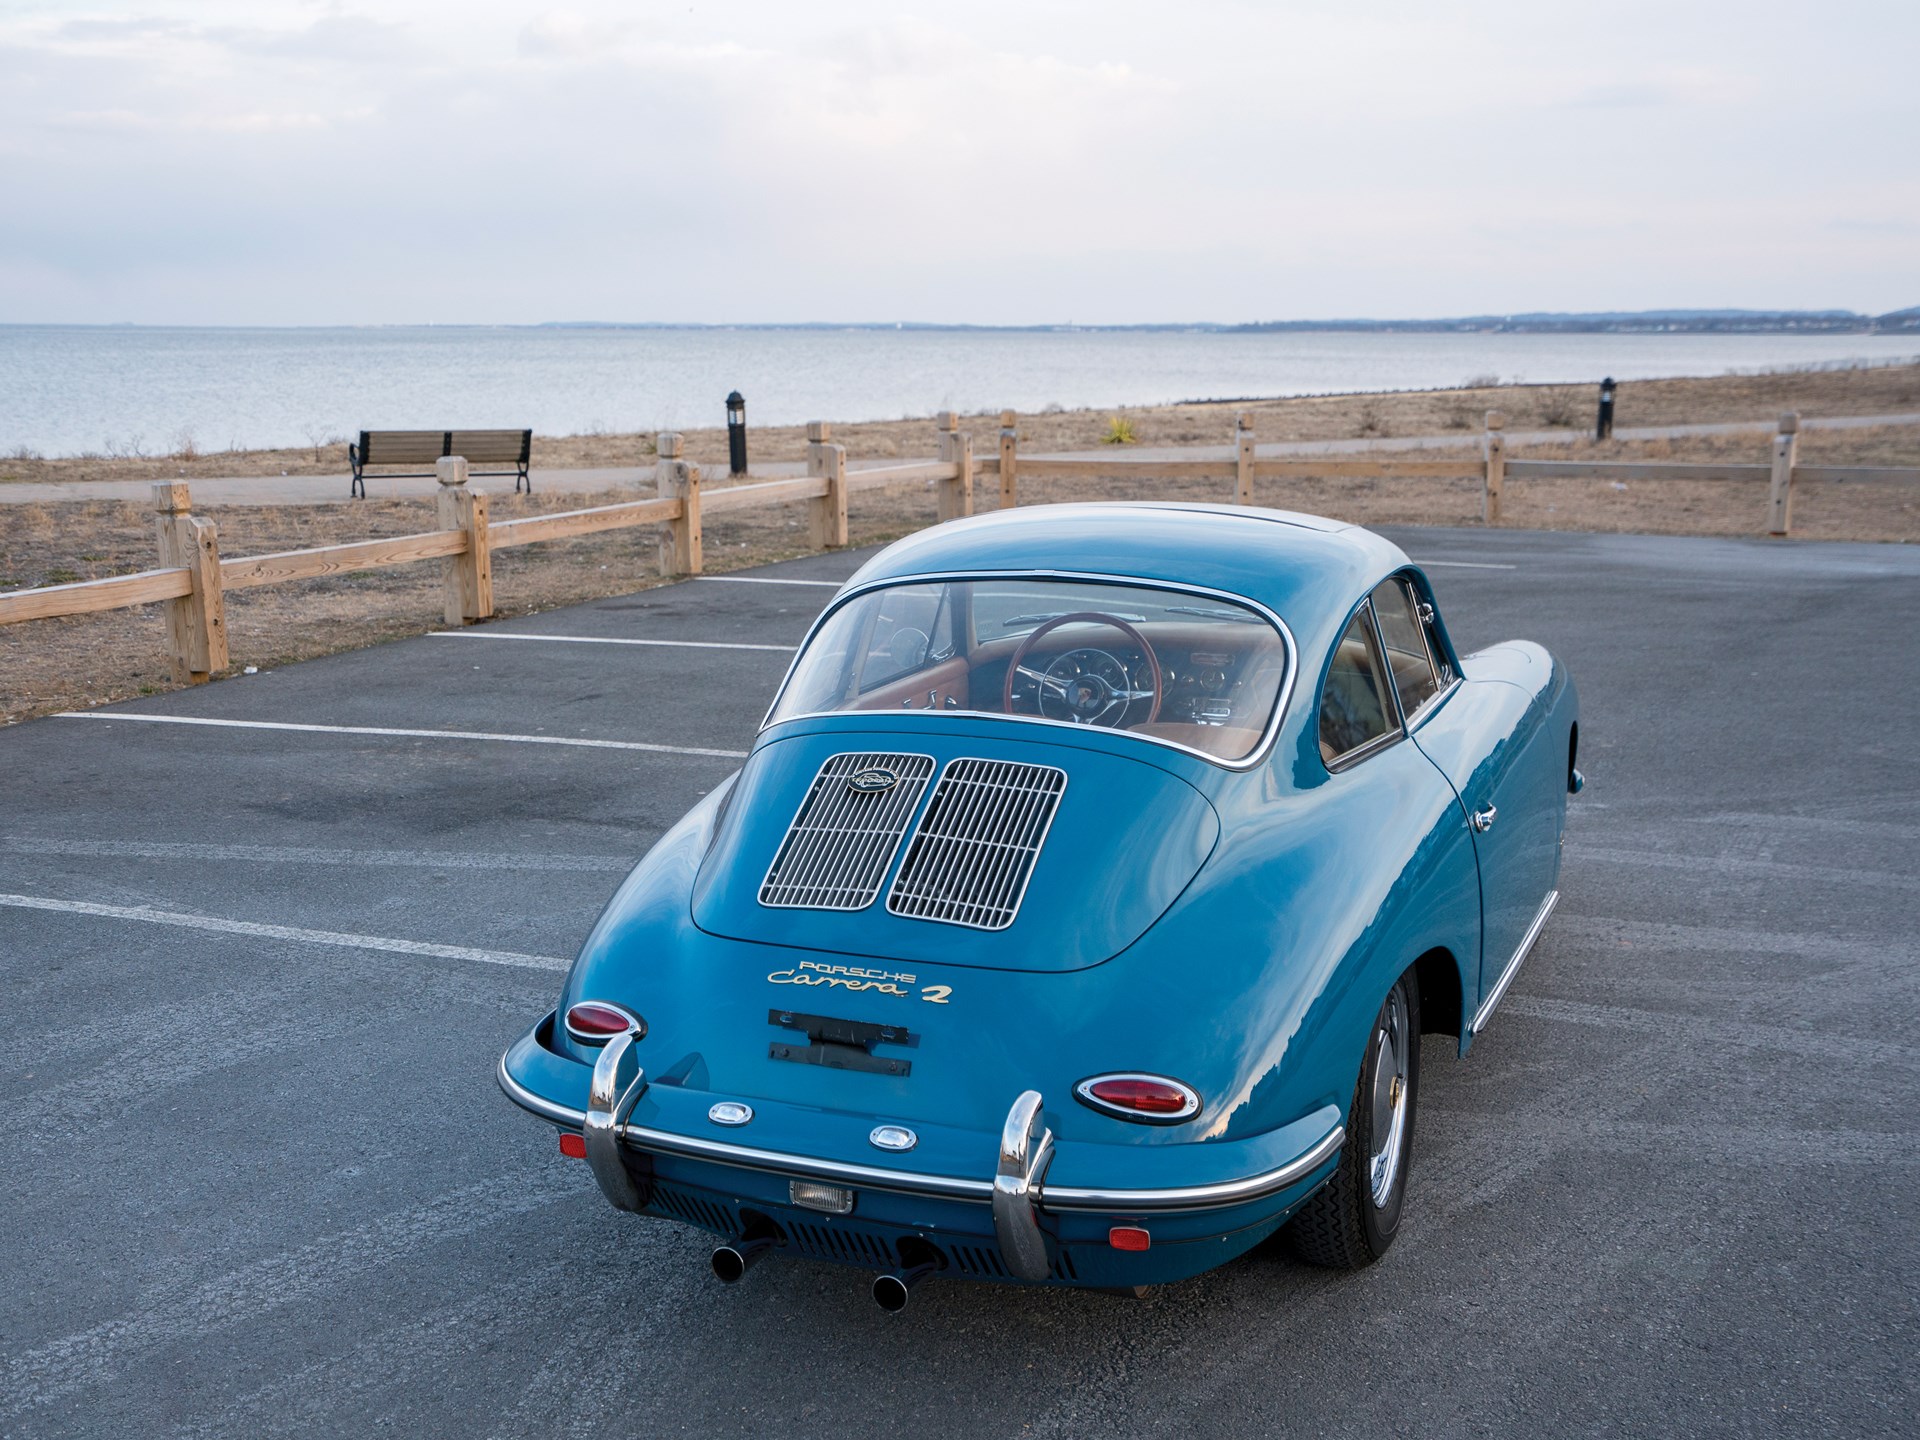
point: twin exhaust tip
(890, 1292)
(732, 1261)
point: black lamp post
(737, 433)
(1603, 427)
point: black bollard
(736, 433)
(1603, 427)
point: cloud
(853, 158)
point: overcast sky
(278, 161)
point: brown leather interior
(948, 679)
(1214, 739)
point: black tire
(1342, 1226)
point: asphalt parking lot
(257, 1178)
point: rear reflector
(594, 1022)
(574, 1147)
(1128, 1237)
(1151, 1098)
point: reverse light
(1129, 1237)
(1147, 1099)
(594, 1022)
(827, 1199)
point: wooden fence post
(1496, 453)
(956, 495)
(469, 575)
(1786, 447)
(196, 623)
(1009, 462)
(1243, 460)
(827, 516)
(682, 551)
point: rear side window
(1408, 652)
(1354, 709)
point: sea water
(68, 390)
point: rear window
(1192, 670)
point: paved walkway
(332, 489)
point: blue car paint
(1288, 899)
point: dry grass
(58, 664)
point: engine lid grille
(843, 837)
(974, 850)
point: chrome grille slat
(972, 855)
(837, 850)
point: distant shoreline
(1634, 322)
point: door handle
(1482, 820)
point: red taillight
(574, 1147)
(1128, 1237)
(596, 1022)
(1142, 1097)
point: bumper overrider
(641, 1140)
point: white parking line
(1463, 565)
(605, 640)
(768, 580)
(403, 734)
(151, 916)
(308, 855)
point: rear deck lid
(918, 847)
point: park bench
(423, 447)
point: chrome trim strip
(1527, 941)
(1433, 702)
(952, 1187)
(1199, 1197)
(1258, 754)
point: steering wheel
(1093, 682)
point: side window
(1408, 650)
(1354, 709)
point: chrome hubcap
(1392, 1049)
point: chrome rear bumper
(1016, 1194)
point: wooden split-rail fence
(192, 578)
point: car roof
(1309, 570)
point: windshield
(1194, 670)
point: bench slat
(402, 447)
(492, 445)
(419, 447)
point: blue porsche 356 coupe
(1077, 913)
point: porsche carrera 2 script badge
(860, 977)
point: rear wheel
(1352, 1219)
